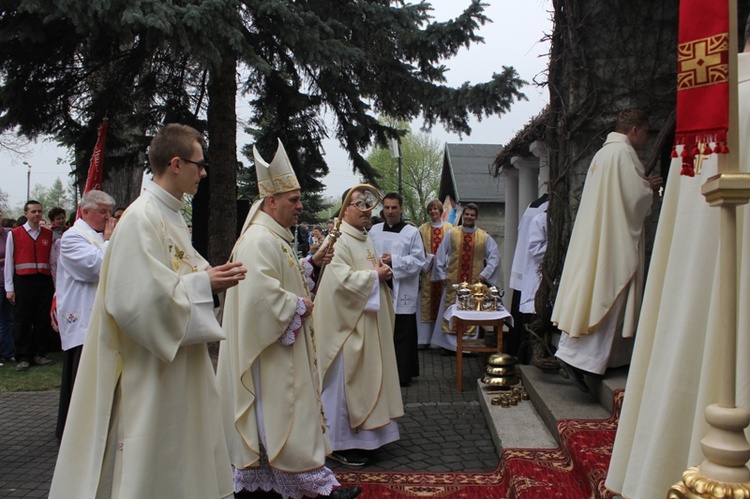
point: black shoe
(447, 353)
(350, 458)
(575, 375)
(346, 492)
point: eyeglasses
(199, 164)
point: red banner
(702, 80)
(96, 165)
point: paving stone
(442, 430)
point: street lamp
(395, 148)
(28, 181)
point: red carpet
(576, 470)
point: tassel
(688, 169)
(717, 148)
(674, 152)
(724, 148)
(706, 150)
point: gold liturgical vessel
(501, 371)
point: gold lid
(502, 359)
(500, 370)
(500, 381)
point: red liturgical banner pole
(96, 165)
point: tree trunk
(124, 183)
(222, 156)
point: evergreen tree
(66, 64)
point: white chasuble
(605, 254)
(270, 391)
(364, 338)
(143, 418)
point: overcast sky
(512, 39)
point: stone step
(534, 425)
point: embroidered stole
(431, 291)
(467, 261)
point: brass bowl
(500, 370)
(500, 381)
(502, 359)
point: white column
(539, 149)
(528, 181)
(510, 235)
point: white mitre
(278, 176)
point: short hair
(396, 196)
(435, 202)
(93, 198)
(174, 140)
(55, 212)
(628, 118)
(472, 206)
(30, 202)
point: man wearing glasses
(354, 320)
(143, 419)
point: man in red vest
(28, 286)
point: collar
(267, 221)
(162, 195)
(394, 228)
(617, 137)
(353, 231)
(436, 224)
(469, 230)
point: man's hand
(655, 181)
(225, 276)
(387, 259)
(11, 296)
(323, 256)
(479, 278)
(109, 228)
(384, 271)
(309, 306)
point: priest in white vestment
(400, 247)
(600, 290)
(79, 263)
(523, 275)
(428, 306)
(354, 324)
(467, 254)
(676, 364)
(536, 247)
(143, 419)
(268, 380)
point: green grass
(35, 379)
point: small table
(463, 319)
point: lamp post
(395, 148)
(28, 181)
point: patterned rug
(576, 470)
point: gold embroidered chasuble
(257, 312)
(365, 339)
(432, 291)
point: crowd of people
(319, 327)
